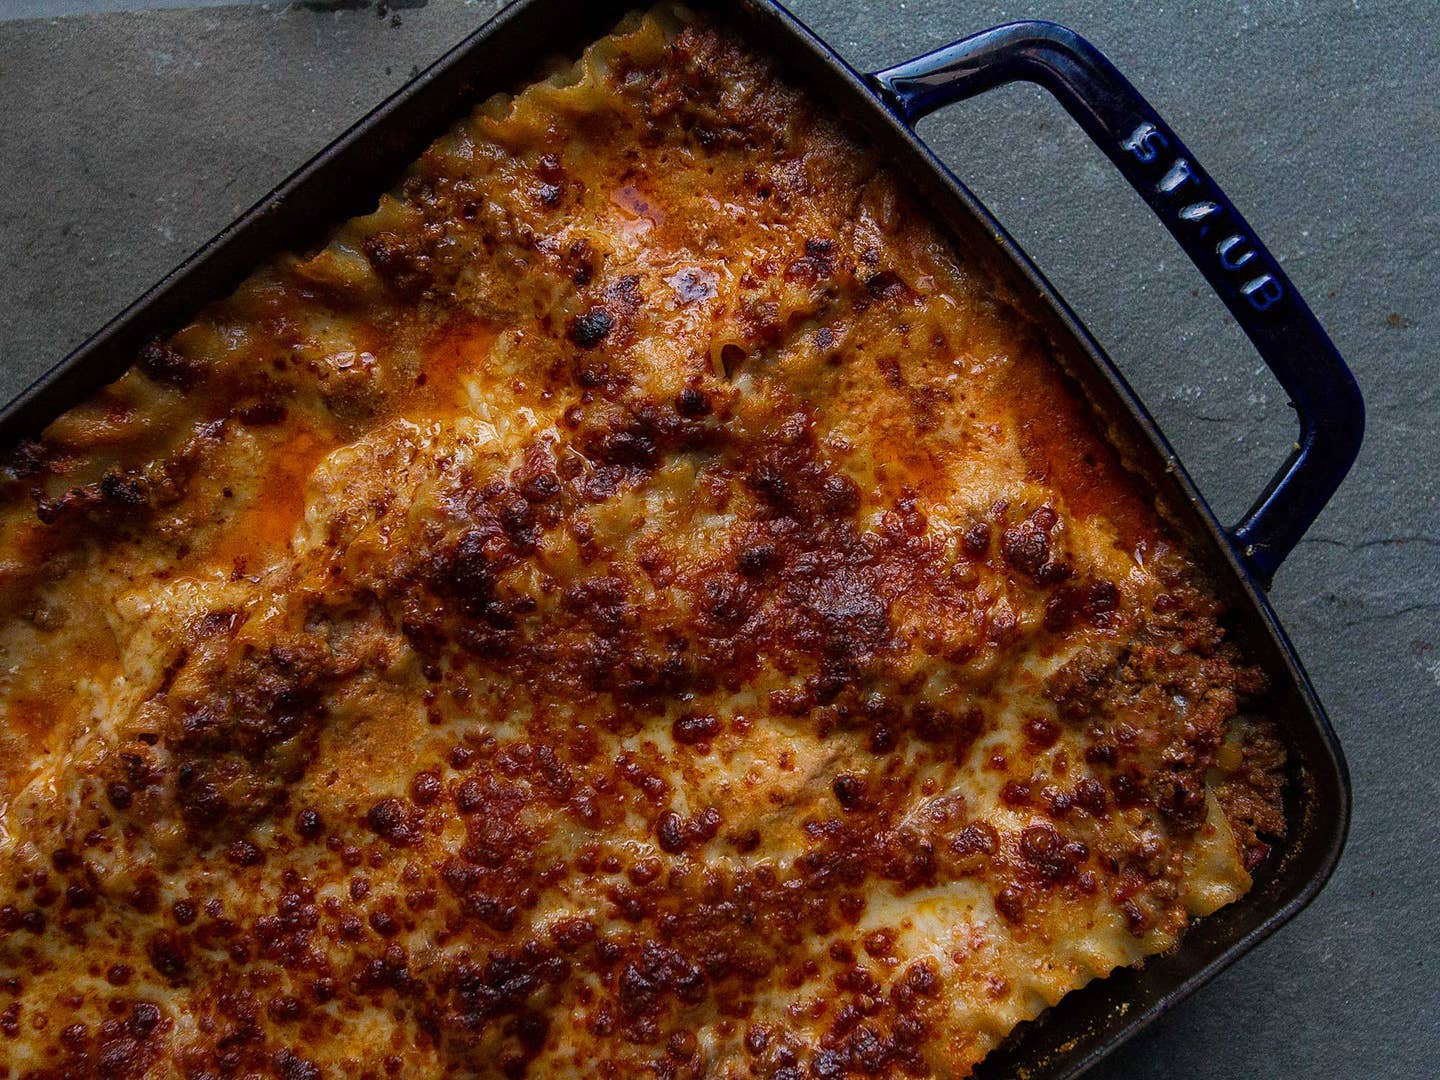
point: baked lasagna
(641, 601)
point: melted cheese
(639, 598)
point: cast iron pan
(348, 176)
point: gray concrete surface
(127, 139)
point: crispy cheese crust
(639, 601)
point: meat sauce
(640, 600)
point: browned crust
(325, 808)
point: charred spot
(402, 261)
(165, 364)
(757, 560)
(469, 574)
(1137, 921)
(594, 373)
(540, 487)
(116, 498)
(532, 1029)
(1048, 856)
(817, 263)
(624, 293)
(1016, 793)
(849, 791)
(1130, 789)
(692, 403)
(976, 542)
(572, 933)
(291, 1066)
(79, 896)
(1100, 599)
(724, 603)
(839, 496)
(1027, 548)
(852, 615)
(675, 833)
(502, 985)
(879, 943)
(308, 824)
(425, 788)
(603, 602)
(887, 285)
(670, 832)
(658, 973)
(384, 924)
(517, 518)
(774, 479)
(144, 1018)
(979, 838)
(201, 803)
(469, 796)
(579, 262)
(633, 445)
(1090, 795)
(590, 329)
(393, 823)
(692, 728)
(932, 723)
(820, 247)
(1041, 732)
(119, 974)
(1010, 904)
(639, 437)
(1057, 802)
(244, 853)
(536, 478)
(120, 1055)
(224, 742)
(1092, 601)
(1102, 753)
(266, 412)
(169, 955)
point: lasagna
(641, 601)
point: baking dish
(345, 178)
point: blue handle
(1212, 232)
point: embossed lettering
(1236, 250)
(1226, 246)
(1145, 142)
(1198, 211)
(1178, 174)
(1262, 292)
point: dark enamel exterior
(347, 177)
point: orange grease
(1059, 442)
(460, 348)
(263, 528)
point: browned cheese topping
(638, 603)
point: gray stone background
(130, 136)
